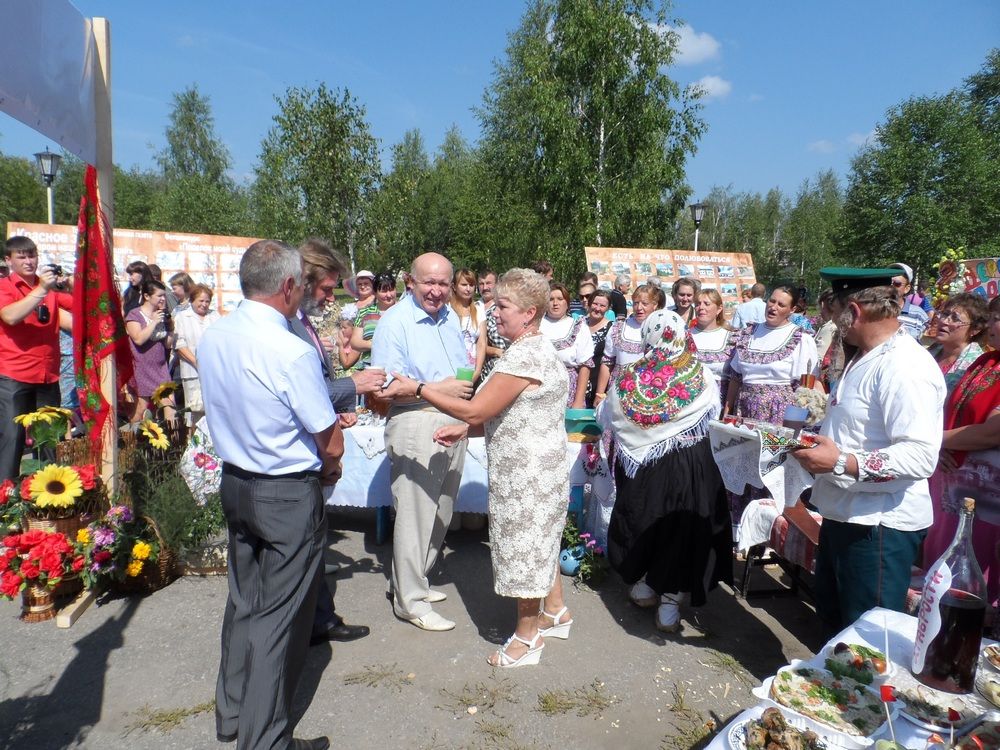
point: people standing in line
(684, 293)
(599, 326)
(420, 338)
(961, 332)
(752, 311)
(521, 410)
(670, 535)
(713, 337)
(138, 274)
(151, 337)
(472, 324)
(572, 342)
(495, 343)
(623, 343)
(34, 307)
(878, 445)
(190, 325)
(360, 353)
(263, 387)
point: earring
(524, 325)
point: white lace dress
(528, 472)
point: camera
(57, 271)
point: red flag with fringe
(98, 326)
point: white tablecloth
(869, 630)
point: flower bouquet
(34, 564)
(582, 556)
(117, 548)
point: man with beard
(322, 269)
(878, 445)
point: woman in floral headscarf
(670, 534)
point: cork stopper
(969, 505)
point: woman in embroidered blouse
(360, 352)
(961, 329)
(684, 292)
(470, 318)
(572, 341)
(623, 343)
(597, 321)
(768, 361)
(670, 535)
(712, 336)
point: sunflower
(162, 391)
(56, 411)
(55, 487)
(26, 420)
(154, 433)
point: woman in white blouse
(623, 344)
(712, 336)
(190, 325)
(572, 341)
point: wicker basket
(68, 526)
(153, 577)
(37, 604)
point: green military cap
(849, 280)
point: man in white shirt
(752, 311)
(272, 424)
(878, 445)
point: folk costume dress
(769, 362)
(670, 522)
(573, 345)
(598, 337)
(623, 344)
(714, 351)
(973, 400)
(954, 371)
(528, 476)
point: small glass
(465, 373)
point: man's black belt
(236, 471)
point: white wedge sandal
(528, 658)
(557, 629)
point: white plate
(890, 671)
(985, 660)
(737, 735)
(982, 676)
(971, 710)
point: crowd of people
(444, 366)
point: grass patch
(380, 675)
(589, 700)
(728, 664)
(689, 722)
(484, 696)
(166, 720)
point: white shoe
(432, 621)
(642, 595)
(558, 629)
(528, 658)
(434, 596)
(668, 615)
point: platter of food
(991, 655)
(861, 663)
(776, 731)
(988, 685)
(984, 737)
(929, 709)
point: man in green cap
(878, 445)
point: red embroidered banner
(98, 326)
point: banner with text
(209, 259)
(977, 275)
(728, 273)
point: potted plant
(34, 564)
(118, 549)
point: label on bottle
(936, 585)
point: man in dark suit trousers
(272, 424)
(322, 268)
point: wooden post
(105, 194)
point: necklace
(525, 335)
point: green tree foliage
(398, 210)
(931, 180)
(197, 203)
(318, 172)
(193, 149)
(22, 197)
(585, 133)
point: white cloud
(821, 147)
(693, 47)
(713, 86)
(861, 139)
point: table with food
(860, 691)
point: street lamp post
(48, 165)
(697, 213)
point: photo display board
(209, 259)
(728, 273)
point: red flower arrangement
(37, 558)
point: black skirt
(671, 524)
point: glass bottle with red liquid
(951, 615)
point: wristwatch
(841, 466)
(420, 387)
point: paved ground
(140, 672)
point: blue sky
(795, 86)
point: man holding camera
(33, 307)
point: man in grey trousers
(272, 423)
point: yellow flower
(26, 420)
(56, 411)
(134, 568)
(141, 550)
(154, 433)
(162, 391)
(56, 487)
(83, 536)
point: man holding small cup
(420, 337)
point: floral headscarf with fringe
(663, 401)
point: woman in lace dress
(521, 405)
(571, 338)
